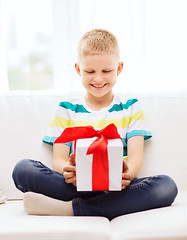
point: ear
(77, 68)
(119, 68)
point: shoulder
(124, 103)
(125, 100)
(75, 104)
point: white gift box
(84, 164)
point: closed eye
(107, 71)
(89, 72)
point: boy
(55, 192)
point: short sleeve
(137, 123)
(60, 121)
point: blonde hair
(97, 41)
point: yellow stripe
(138, 116)
(60, 122)
(101, 123)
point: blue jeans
(142, 194)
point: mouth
(99, 86)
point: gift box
(98, 155)
(104, 176)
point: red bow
(100, 165)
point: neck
(97, 103)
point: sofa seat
(158, 224)
(15, 224)
(161, 224)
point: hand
(126, 176)
(69, 171)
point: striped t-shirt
(126, 114)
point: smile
(99, 86)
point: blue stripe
(144, 133)
(124, 146)
(73, 107)
(124, 142)
(121, 106)
(50, 140)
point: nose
(98, 78)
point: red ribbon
(100, 165)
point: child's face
(99, 73)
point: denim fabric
(142, 194)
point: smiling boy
(53, 191)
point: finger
(74, 183)
(126, 176)
(125, 183)
(125, 166)
(69, 168)
(69, 174)
(72, 159)
(70, 180)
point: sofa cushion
(15, 224)
(158, 224)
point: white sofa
(24, 117)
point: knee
(21, 170)
(20, 167)
(166, 190)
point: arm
(63, 163)
(135, 159)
